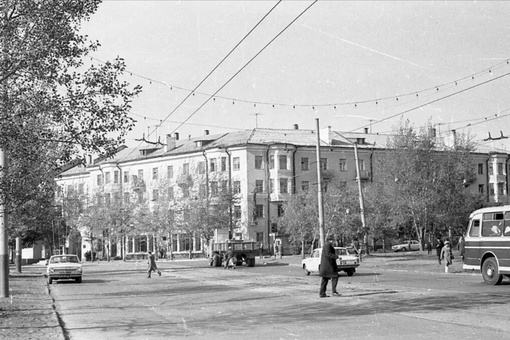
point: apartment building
(262, 166)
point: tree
(46, 102)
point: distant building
(262, 166)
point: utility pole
(361, 201)
(319, 187)
(4, 250)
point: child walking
(446, 256)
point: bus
(487, 246)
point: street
(392, 297)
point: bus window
(507, 223)
(475, 228)
(492, 225)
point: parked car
(64, 267)
(347, 261)
(406, 245)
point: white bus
(487, 246)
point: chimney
(366, 130)
(170, 142)
(296, 127)
(176, 135)
(206, 132)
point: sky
(351, 65)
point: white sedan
(347, 261)
(64, 267)
(407, 245)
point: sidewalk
(28, 311)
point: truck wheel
(50, 280)
(490, 272)
(78, 280)
(307, 272)
(250, 262)
(350, 272)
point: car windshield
(340, 252)
(64, 259)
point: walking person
(461, 247)
(151, 261)
(261, 251)
(229, 255)
(439, 248)
(446, 255)
(429, 247)
(328, 268)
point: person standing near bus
(446, 256)
(439, 248)
(461, 248)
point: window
(280, 210)
(475, 228)
(492, 224)
(305, 185)
(236, 163)
(271, 162)
(185, 192)
(491, 189)
(258, 162)
(201, 190)
(126, 176)
(107, 199)
(260, 237)
(99, 180)
(501, 169)
(107, 177)
(116, 177)
(283, 186)
(214, 188)
(140, 175)
(201, 168)
(224, 186)
(154, 173)
(324, 164)
(155, 195)
(259, 210)
(305, 164)
(127, 197)
(185, 169)
(501, 188)
(259, 185)
(491, 169)
(212, 165)
(361, 165)
(139, 197)
(480, 168)
(223, 163)
(81, 188)
(271, 185)
(282, 162)
(171, 193)
(170, 171)
(343, 164)
(480, 188)
(506, 231)
(237, 187)
(237, 211)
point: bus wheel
(490, 272)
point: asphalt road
(391, 297)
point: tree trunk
(303, 249)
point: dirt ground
(28, 311)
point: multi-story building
(262, 167)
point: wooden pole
(319, 187)
(4, 249)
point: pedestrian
(461, 247)
(151, 261)
(328, 268)
(261, 250)
(429, 247)
(229, 255)
(446, 255)
(276, 250)
(439, 248)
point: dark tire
(78, 280)
(350, 272)
(250, 262)
(216, 260)
(404, 249)
(490, 272)
(50, 280)
(307, 272)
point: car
(347, 261)
(64, 267)
(406, 245)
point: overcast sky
(350, 64)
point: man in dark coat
(328, 268)
(229, 255)
(151, 261)
(439, 247)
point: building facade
(261, 166)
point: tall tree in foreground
(46, 103)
